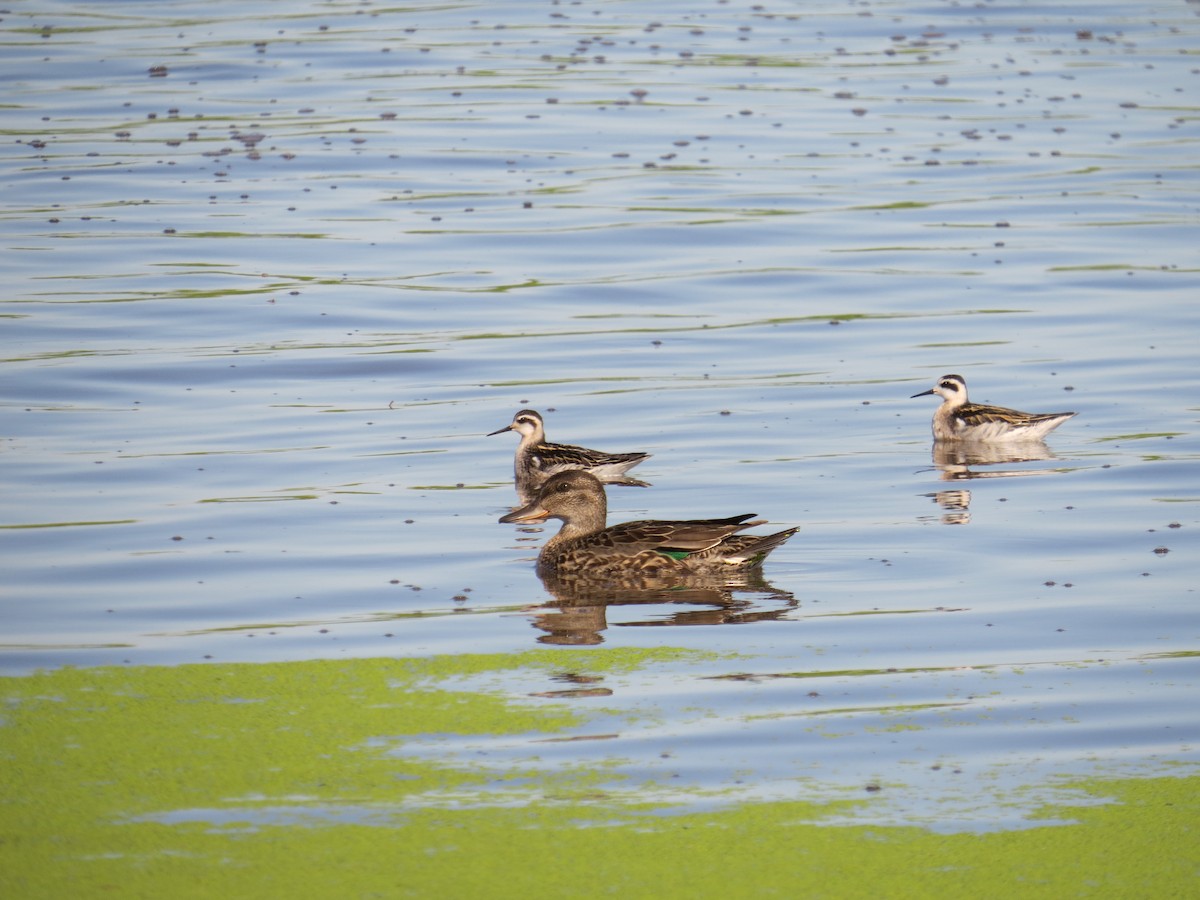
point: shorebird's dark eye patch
(949, 385)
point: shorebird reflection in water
(958, 419)
(968, 460)
(584, 546)
(962, 460)
(537, 459)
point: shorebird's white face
(527, 424)
(951, 387)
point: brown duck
(584, 546)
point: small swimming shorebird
(537, 460)
(585, 547)
(957, 419)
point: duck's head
(573, 496)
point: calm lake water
(274, 271)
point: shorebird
(957, 419)
(536, 459)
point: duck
(587, 546)
(537, 459)
(958, 419)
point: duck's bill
(531, 513)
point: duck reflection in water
(589, 565)
(579, 613)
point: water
(274, 271)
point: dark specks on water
(732, 193)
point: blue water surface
(275, 270)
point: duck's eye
(564, 487)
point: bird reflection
(957, 505)
(955, 458)
(959, 460)
(578, 614)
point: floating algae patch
(112, 772)
(289, 779)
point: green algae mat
(293, 779)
